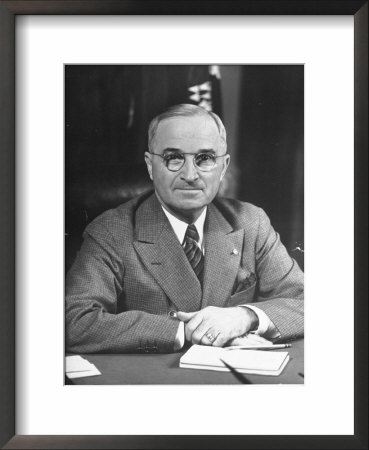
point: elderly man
(179, 264)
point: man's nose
(189, 172)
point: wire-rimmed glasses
(174, 160)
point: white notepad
(259, 362)
(78, 367)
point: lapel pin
(234, 252)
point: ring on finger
(211, 337)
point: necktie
(193, 252)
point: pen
(240, 377)
(261, 347)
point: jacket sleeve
(280, 292)
(93, 286)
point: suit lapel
(223, 248)
(163, 256)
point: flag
(204, 87)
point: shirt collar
(180, 227)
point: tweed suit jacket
(132, 271)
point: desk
(164, 369)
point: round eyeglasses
(203, 161)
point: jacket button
(172, 314)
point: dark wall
(108, 108)
(271, 153)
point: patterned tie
(193, 252)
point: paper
(78, 367)
(258, 362)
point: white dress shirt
(266, 327)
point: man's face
(185, 193)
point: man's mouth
(189, 188)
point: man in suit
(179, 264)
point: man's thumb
(184, 316)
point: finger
(191, 326)
(199, 333)
(221, 340)
(185, 316)
(258, 340)
(205, 338)
(250, 339)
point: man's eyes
(179, 157)
(173, 157)
(204, 157)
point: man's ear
(148, 163)
(226, 162)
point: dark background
(108, 109)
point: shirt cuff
(266, 327)
(179, 340)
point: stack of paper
(78, 367)
(260, 362)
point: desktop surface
(164, 369)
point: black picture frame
(8, 11)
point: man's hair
(185, 110)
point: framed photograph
(54, 50)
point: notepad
(78, 367)
(258, 362)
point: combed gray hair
(185, 110)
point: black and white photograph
(184, 224)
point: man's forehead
(188, 127)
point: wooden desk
(164, 369)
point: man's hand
(250, 339)
(220, 324)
